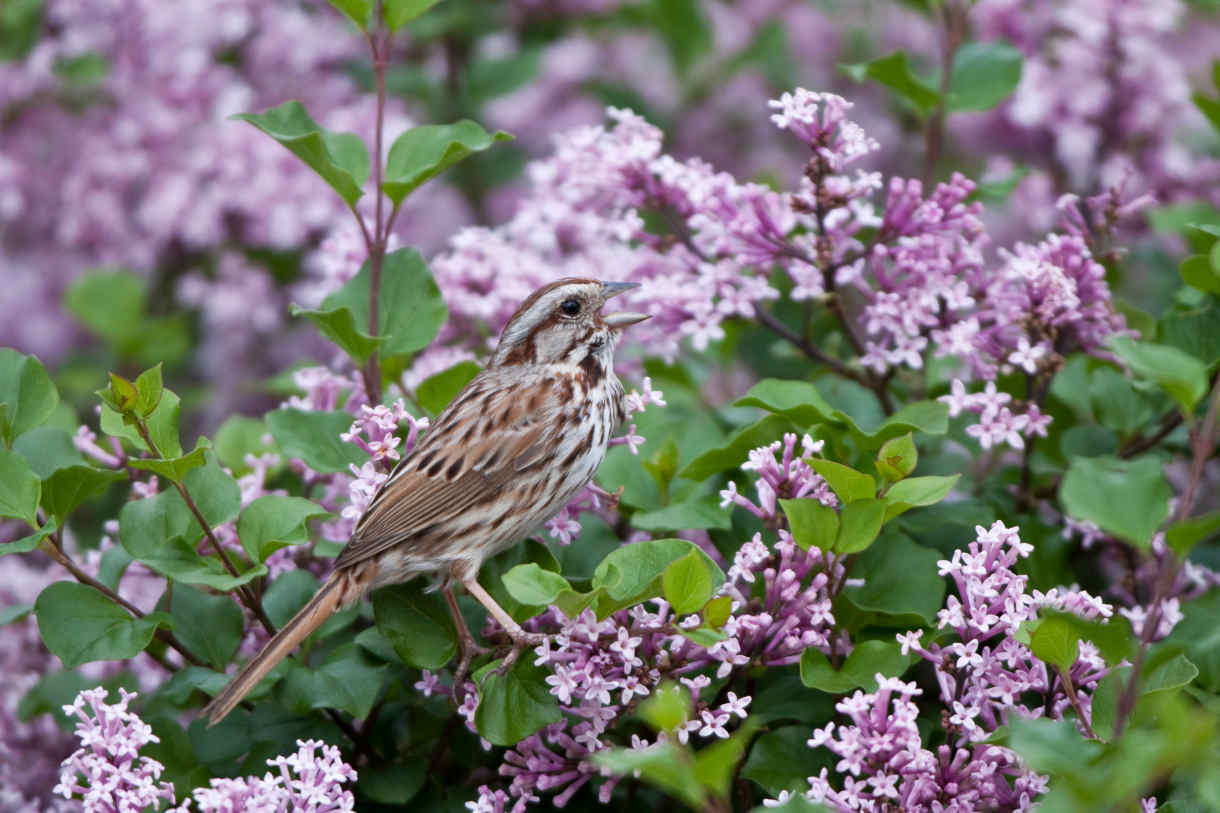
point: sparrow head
(562, 323)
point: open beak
(623, 318)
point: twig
(380, 47)
(246, 596)
(1203, 443)
(953, 22)
(1139, 445)
(56, 551)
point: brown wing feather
(417, 502)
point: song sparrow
(514, 446)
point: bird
(519, 441)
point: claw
(522, 640)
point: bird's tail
(328, 599)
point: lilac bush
(913, 505)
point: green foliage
(1180, 375)
(896, 73)
(340, 159)
(1129, 499)
(436, 391)
(274, 521)
(27, 395)
(857, 671)
(125, 322)
(983, 75)
(81, 625)
(421, 153)
(410, 310)
(417, 624)
(314, 438)
(514, 704)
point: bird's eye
(570, 307)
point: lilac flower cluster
(883, 763)
(984, 676)
(108, 774)
(788, 478)
(1104, 124)
(988, 674)
(107, 771)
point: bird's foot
(522, 640)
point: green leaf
(1180, 375)
(733, 453)
(1196, 332)
(14, 613)
(716, 763)
(208, 625)
(1197, 272)
(348, 679)
(162, 426)
(417, 624)
(273, 521)
(717, 611)
(148, 390)
(859, 524)
(1126, 498)
(422, 153)
(28, 543)
(358, 11)
(858, 670)
(1199, 635)
(20, 488)
(394, 784)
(67, 488)
(491, 576)
(1054, 641)
(314, 438)
(48, 449)
(1183, 536)
(398, 13)
(341, 159)
(410, 309)
(895, 72)
(436, 391)
(666, 708)
(339, 325)
(80, 625)
(897, 458)
(27, 395)
(813, 525)
(1167, 669)
(633, 572)
(915, 492)
(173, 469)
(900, 582)
(850, 485)
(514, 705)
(687, 583)
(802, 404)
(237, 437)
(533, 586)
(983, 75)
(683, 27)
(162, 532)
(703, 636)
(665, 765)
(700, 512)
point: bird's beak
(623, 318)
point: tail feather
(320, 607)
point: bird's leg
(469, 647)
(520, 638)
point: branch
(246, 595)
(1203, 444)
(56, 551)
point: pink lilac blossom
(884, 765)
(780, 605)
(311, 779)
(986, 675)
(791, 477)
(107, 772)
(1104, 124)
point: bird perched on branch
(514, 447)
